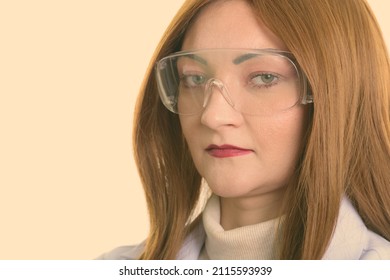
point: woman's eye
(193, 80)
(265, 79)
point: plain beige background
(69, 76)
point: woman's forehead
(230, 24)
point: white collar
(348, 241)
(349, 237)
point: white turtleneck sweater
(249, 242)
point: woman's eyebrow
(196, 58)
(244, 57)
(236, 61)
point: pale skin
(251, 186)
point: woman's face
(237, 154)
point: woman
(282, 107)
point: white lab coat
(351, 240)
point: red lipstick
(225, 151)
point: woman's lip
(224, 151)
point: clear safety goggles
(254, 82)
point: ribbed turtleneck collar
(249, 242)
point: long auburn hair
(340, 48)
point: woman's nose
(219, 108)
